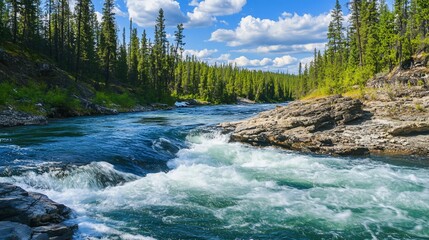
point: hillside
(33, 88)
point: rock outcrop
(340, 125)
(28, 215)
(10, 118)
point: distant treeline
(376, 40)
(154, 69)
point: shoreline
(340, 126)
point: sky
(270, 35)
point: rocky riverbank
(29, 215)
(392, 117)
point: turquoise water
(171, 175)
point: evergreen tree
(85, 42)
(107, 48)
(122, 65)
(159, 52)
(134, 56)
(336, 30)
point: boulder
(29, 215)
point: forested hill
(376, 40)
(112, 72)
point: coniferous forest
(153, 70)
(372, 38)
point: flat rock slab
(337, 125)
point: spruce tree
(107, 48)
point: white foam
(263, 187)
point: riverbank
(391, 117)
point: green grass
(26, 98)
(109, 99)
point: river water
(170, 175)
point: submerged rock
(28, 215)
(10, 118)
(337, 125)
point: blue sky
(272, 35)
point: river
(171, 175)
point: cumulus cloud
(289, 29)
(264, 63)
(245, 62)
(284, 49)
(145, 12)
(280, 62)
(206, 11)
(201, 54)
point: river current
(171, 175)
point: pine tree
(107, 48)
(355, 28)
(122, 65)
(336, 30)
(159, 51)
(3, 20)
(403, 41)
(143, 63)
(134, 55)
(386, 30)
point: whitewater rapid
(219, 190)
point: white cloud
(206, 11)
(289, 29)
(224, 57)
(72, 4)
(264, 63)
(99, 16)
(193, 3)
(145, 12)
(284, 49)
(245, 62)
(119, 12)
(280, 62)
(201, 54)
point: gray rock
(56, 231)
(339, 125)
(11, 118)
(33, 209)
(32, 214)
(14, 230)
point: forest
(372, 38)
(375, 39)
(149, 70)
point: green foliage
(113, 99)
(378, 39)
(26, 97)
(420, 108)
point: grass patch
(318, 93)
(109, 99)
(355, 93)
(29, 97)
(419, 107)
